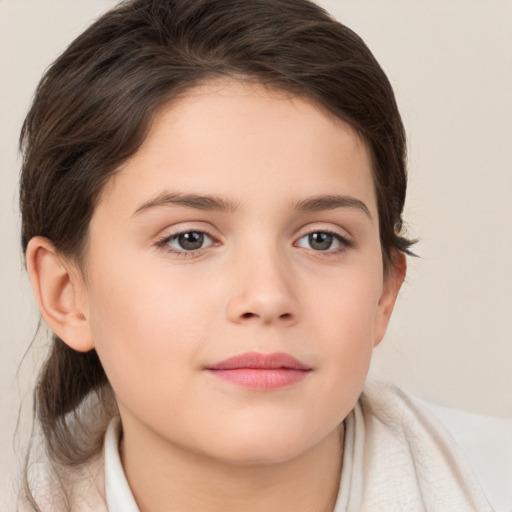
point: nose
(262, 292)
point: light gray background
(450, 63)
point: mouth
(264, 372)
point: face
(245, 227)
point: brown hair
(92, 110)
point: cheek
(347, 336)
(347, 301)
(345, 318)
(147, 326)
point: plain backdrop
(450, 63)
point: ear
(60, 293)
(392, 284)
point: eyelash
(164, 242)
(345, 243)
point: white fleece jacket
(398, 456)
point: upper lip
(256, 360)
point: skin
(158, 315)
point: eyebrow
(331, 202)
(215, 203)
(198, 202)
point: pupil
(320, 241)
(191, 241)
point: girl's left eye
(188, 241)
(323, 241)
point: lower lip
(261, 379)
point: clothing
(397, 456)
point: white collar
(118, 493)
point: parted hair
(92, 110)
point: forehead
(243, 139)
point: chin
(262, 447)
(255, 456)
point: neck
(164, 478)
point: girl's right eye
(186, 242)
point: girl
(212, 196)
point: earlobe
(392, 285)
(58, 290)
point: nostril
(284, 316)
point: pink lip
(261, 371)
